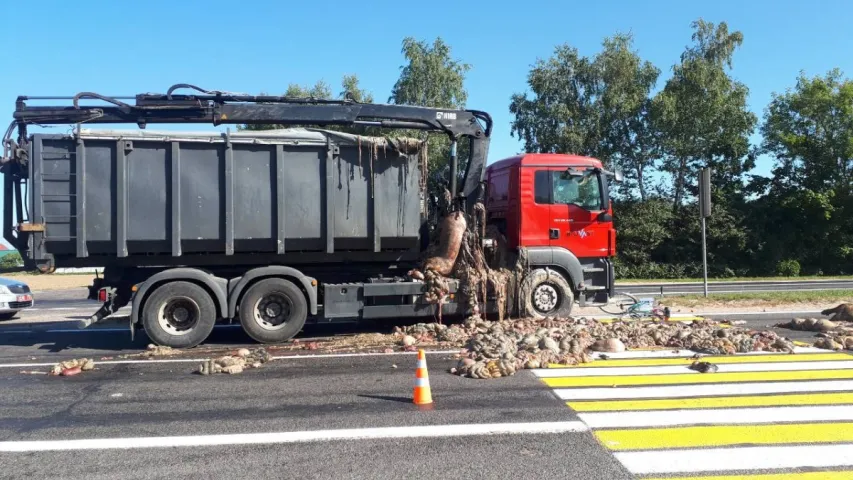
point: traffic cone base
(423, 392)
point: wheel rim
(179, 315)
(619, 304)
(272, 311)
(545, 298)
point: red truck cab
(556, 207)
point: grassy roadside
(761, 298)
(733, 279)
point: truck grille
(19, 288)
(20, 304)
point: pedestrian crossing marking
(700, 390)
(682, 369)
(691, 378)
(713, 402)
(651, 362)
(846, 475)
(718, 416)
(722, 436)
(773, 413)
(737, 459)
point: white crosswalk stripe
(764, 417)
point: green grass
(732, 279)
(812, 296)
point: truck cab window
(584, 192)
(542, 187)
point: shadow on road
(115, 336)
(388, 398)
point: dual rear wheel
(182, 314)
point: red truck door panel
(536, 214)
(575, 204)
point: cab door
(578, 213)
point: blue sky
(115, 47)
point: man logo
(445, 116)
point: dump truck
(315, 221)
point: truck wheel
(178, 315)
(546, 293)
(273, 310)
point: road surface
(352, 416)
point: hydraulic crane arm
(220, 108)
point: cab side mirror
(618, 176)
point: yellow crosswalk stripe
(718, 436)
(713, 402)
(693, 378)
(845, 475)
(654, 362)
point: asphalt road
(121, 401)
(128, 403)
(663, 288)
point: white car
(14, 297)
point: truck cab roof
(545, 159)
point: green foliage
(322, 91)
(431, 77)
(797, 221)
(808, 202)
(788, 268)
(701, 114)
(11, 260)
(592, 106)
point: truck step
(594, 288)
(592, 269)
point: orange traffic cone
(423, 394)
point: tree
(597, 107)
(431, 77)
(563, 114)
(808, 129)
(322, 91)
(702, 117)
(629, 139)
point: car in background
(14, 297)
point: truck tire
(178, 315)
(546, 293)
(273, 310)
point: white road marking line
(684, 353)
(776, 312)
(190, 360)
(89, 330)
(676, 369)
(710, 390)
(648, 354)
(739, 458)
(295, 437)
(717, 416)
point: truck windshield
(584, 192)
